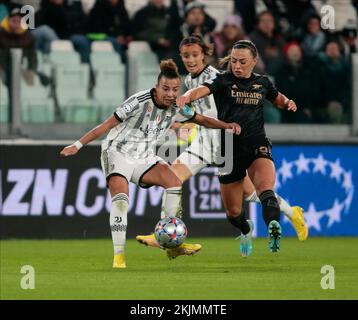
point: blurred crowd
(308, 61)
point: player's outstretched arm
(89, 136)
(213, 123)
(283, 102)
(192, 95)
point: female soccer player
(128, 152)
(200, 154)
(239, 95)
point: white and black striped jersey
(205, 106)
(142, 124)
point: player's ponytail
(225, 62)
(168, 69)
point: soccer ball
(170, 232)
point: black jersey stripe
(145, 95)
(144, 98)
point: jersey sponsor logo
(152, 131)
(256, 86)
(244, 97)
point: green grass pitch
(82, 269)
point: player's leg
(188, 164)
(161, 174)
(117, 170)
(157, 175)
(232, 196)
(262, 174)
(294, 214)
(118, 187)
(184, 167)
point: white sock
(118, 221)
(253, 198)
(162, 213)
(285, 207)
(172, 203)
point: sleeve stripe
(208, 85)
(144, 97)
(117, 117)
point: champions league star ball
(170, 232)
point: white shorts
(116, 163)
(203, 151)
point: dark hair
(246, 44)
(194, 38)
(168, 69)
(241, 44)
(263, 13)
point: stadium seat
(4, 103)
(138, 46)
(109, 91)
(71, 87)
(43, 64)
(110, 75)
(105, 59)
(80, 111)
(102, 46)
(63, 53)
(36, 104)
(143, 67)
(64, 58)
(62, 45)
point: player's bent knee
(172, 182)
(117, 184)
(266, 185)
(233, 212)
(169, 178)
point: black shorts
(245, 153)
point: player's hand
(182, 101)
(291, 106)
(69, 151)
(233, 127)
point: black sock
(240, 222)
(270, 206)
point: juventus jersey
(205, 106)
(142, 124)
